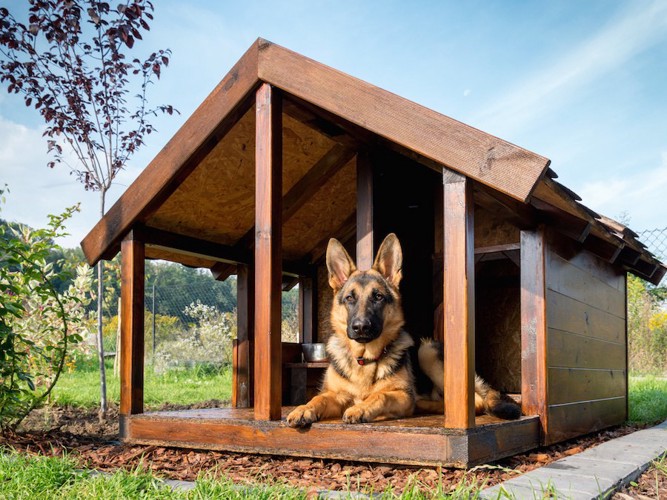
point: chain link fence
(193, 325)
(656, 241)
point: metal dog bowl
(314, 352)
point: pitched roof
(201, 184)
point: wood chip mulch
(78, 433)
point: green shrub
(37, 323)
(647, 329)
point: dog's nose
(361, 326)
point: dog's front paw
(301, 416)
(356, 415)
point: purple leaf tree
(69, 60)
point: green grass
(58, 478)
(81, 387)
(648, 399)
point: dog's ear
(389, 260)
(339, 264)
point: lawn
(81, 387)
(55, 478)
(648, 399)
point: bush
(207, 341)
(647, 329)
(37, 323)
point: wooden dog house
(286, 153)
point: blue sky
(583, 83)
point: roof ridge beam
(465, 149)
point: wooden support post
(242, 384)
(534, 326)
(268, 265)
(364, 211)
(459, 301)
(132, 327)
(307, 308)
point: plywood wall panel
(217, 201)
(322, 214)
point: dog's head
(366, 303)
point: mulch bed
(78, 433)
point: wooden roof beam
(517, 213)
(570, 225)
(343, 233)
(188, 245)
(325, 123)
(475, 154)
(225, 255)
(650, 271)
(603, 248)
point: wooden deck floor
(418, 440)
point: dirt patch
(94, 444)
(651, 484)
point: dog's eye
(349, 299)
(378, 297)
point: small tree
(69, 62)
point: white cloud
(640, 194)
(36, 190)
(627, 35)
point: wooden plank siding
(586, 345)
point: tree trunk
(100, 337)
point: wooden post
(459, 301)
(534, 397)
(307, 307)
(242, 383)
(132, 326)
(268, 265)
(364, 211)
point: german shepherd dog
(369, 374)
(487, 399)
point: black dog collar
(363, 361)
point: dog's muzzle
(363, 330)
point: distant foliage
(37, 322)
(647, 329)
(207, 341)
